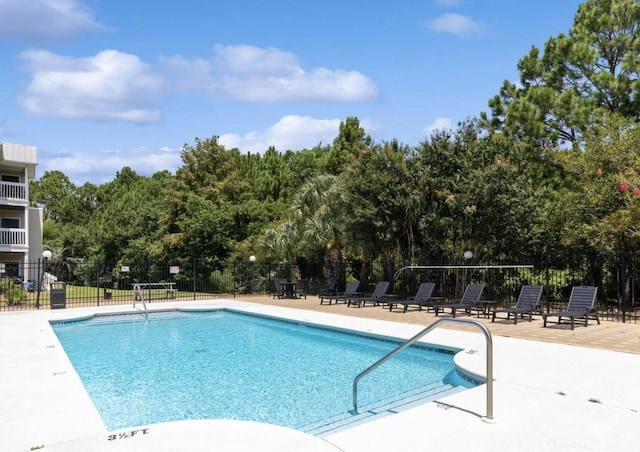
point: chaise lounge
(377, 296)
(470, 299)
(528, 301)
(581, 306)
(420, 299)
(350, 291)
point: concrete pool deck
(548, 394)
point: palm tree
(284, 241)
(60, 264)
(322, 229)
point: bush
(12, 292)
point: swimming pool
(224, 364)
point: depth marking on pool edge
(127, 434)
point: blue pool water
(223, 364)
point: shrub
(13, 293)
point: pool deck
(554, 389)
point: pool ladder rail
(489, 380)
(138, 293)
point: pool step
(381, 408)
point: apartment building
(20, 224)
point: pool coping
(541, 393)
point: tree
(482, 193)
(56, 194)
(323, 227)
(351, 141)
(284, 241)
(67, 212)
(127, 209)
(600, 212)
(509, 197)
(443, 167)
(272, 177)
(602, 207)
(205, 231)
(593, 70)
(375, 189)
(208, 187)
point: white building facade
(20, 224)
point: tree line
(552, 167)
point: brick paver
(609, 335)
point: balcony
(13, 239)
(13, 193)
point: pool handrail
(146, 313)
(489, 377)
(396, 275)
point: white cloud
(254, 74)
(117, 86)
(290, 133)
(45, 20)
(456, 24)
(245, 59)
(99, 167)
(111, 85)
(438, 124)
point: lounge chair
(350, 291)
(470, 299)
(581, 306)
(329, 290)
(528, 301)
(377, 296)
(420, 299)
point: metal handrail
(453, 267)
(146, 313)
(487, 335)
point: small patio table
(485, 308)
(289, 289)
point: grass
(93, 296)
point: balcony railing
(13, 237)
(13, 191)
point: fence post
(195, 278)
(38, 286)
(149, 279)
(622, 286)
(546, 264)
(97, 283)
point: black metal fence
(97, 283)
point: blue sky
(97, 85)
